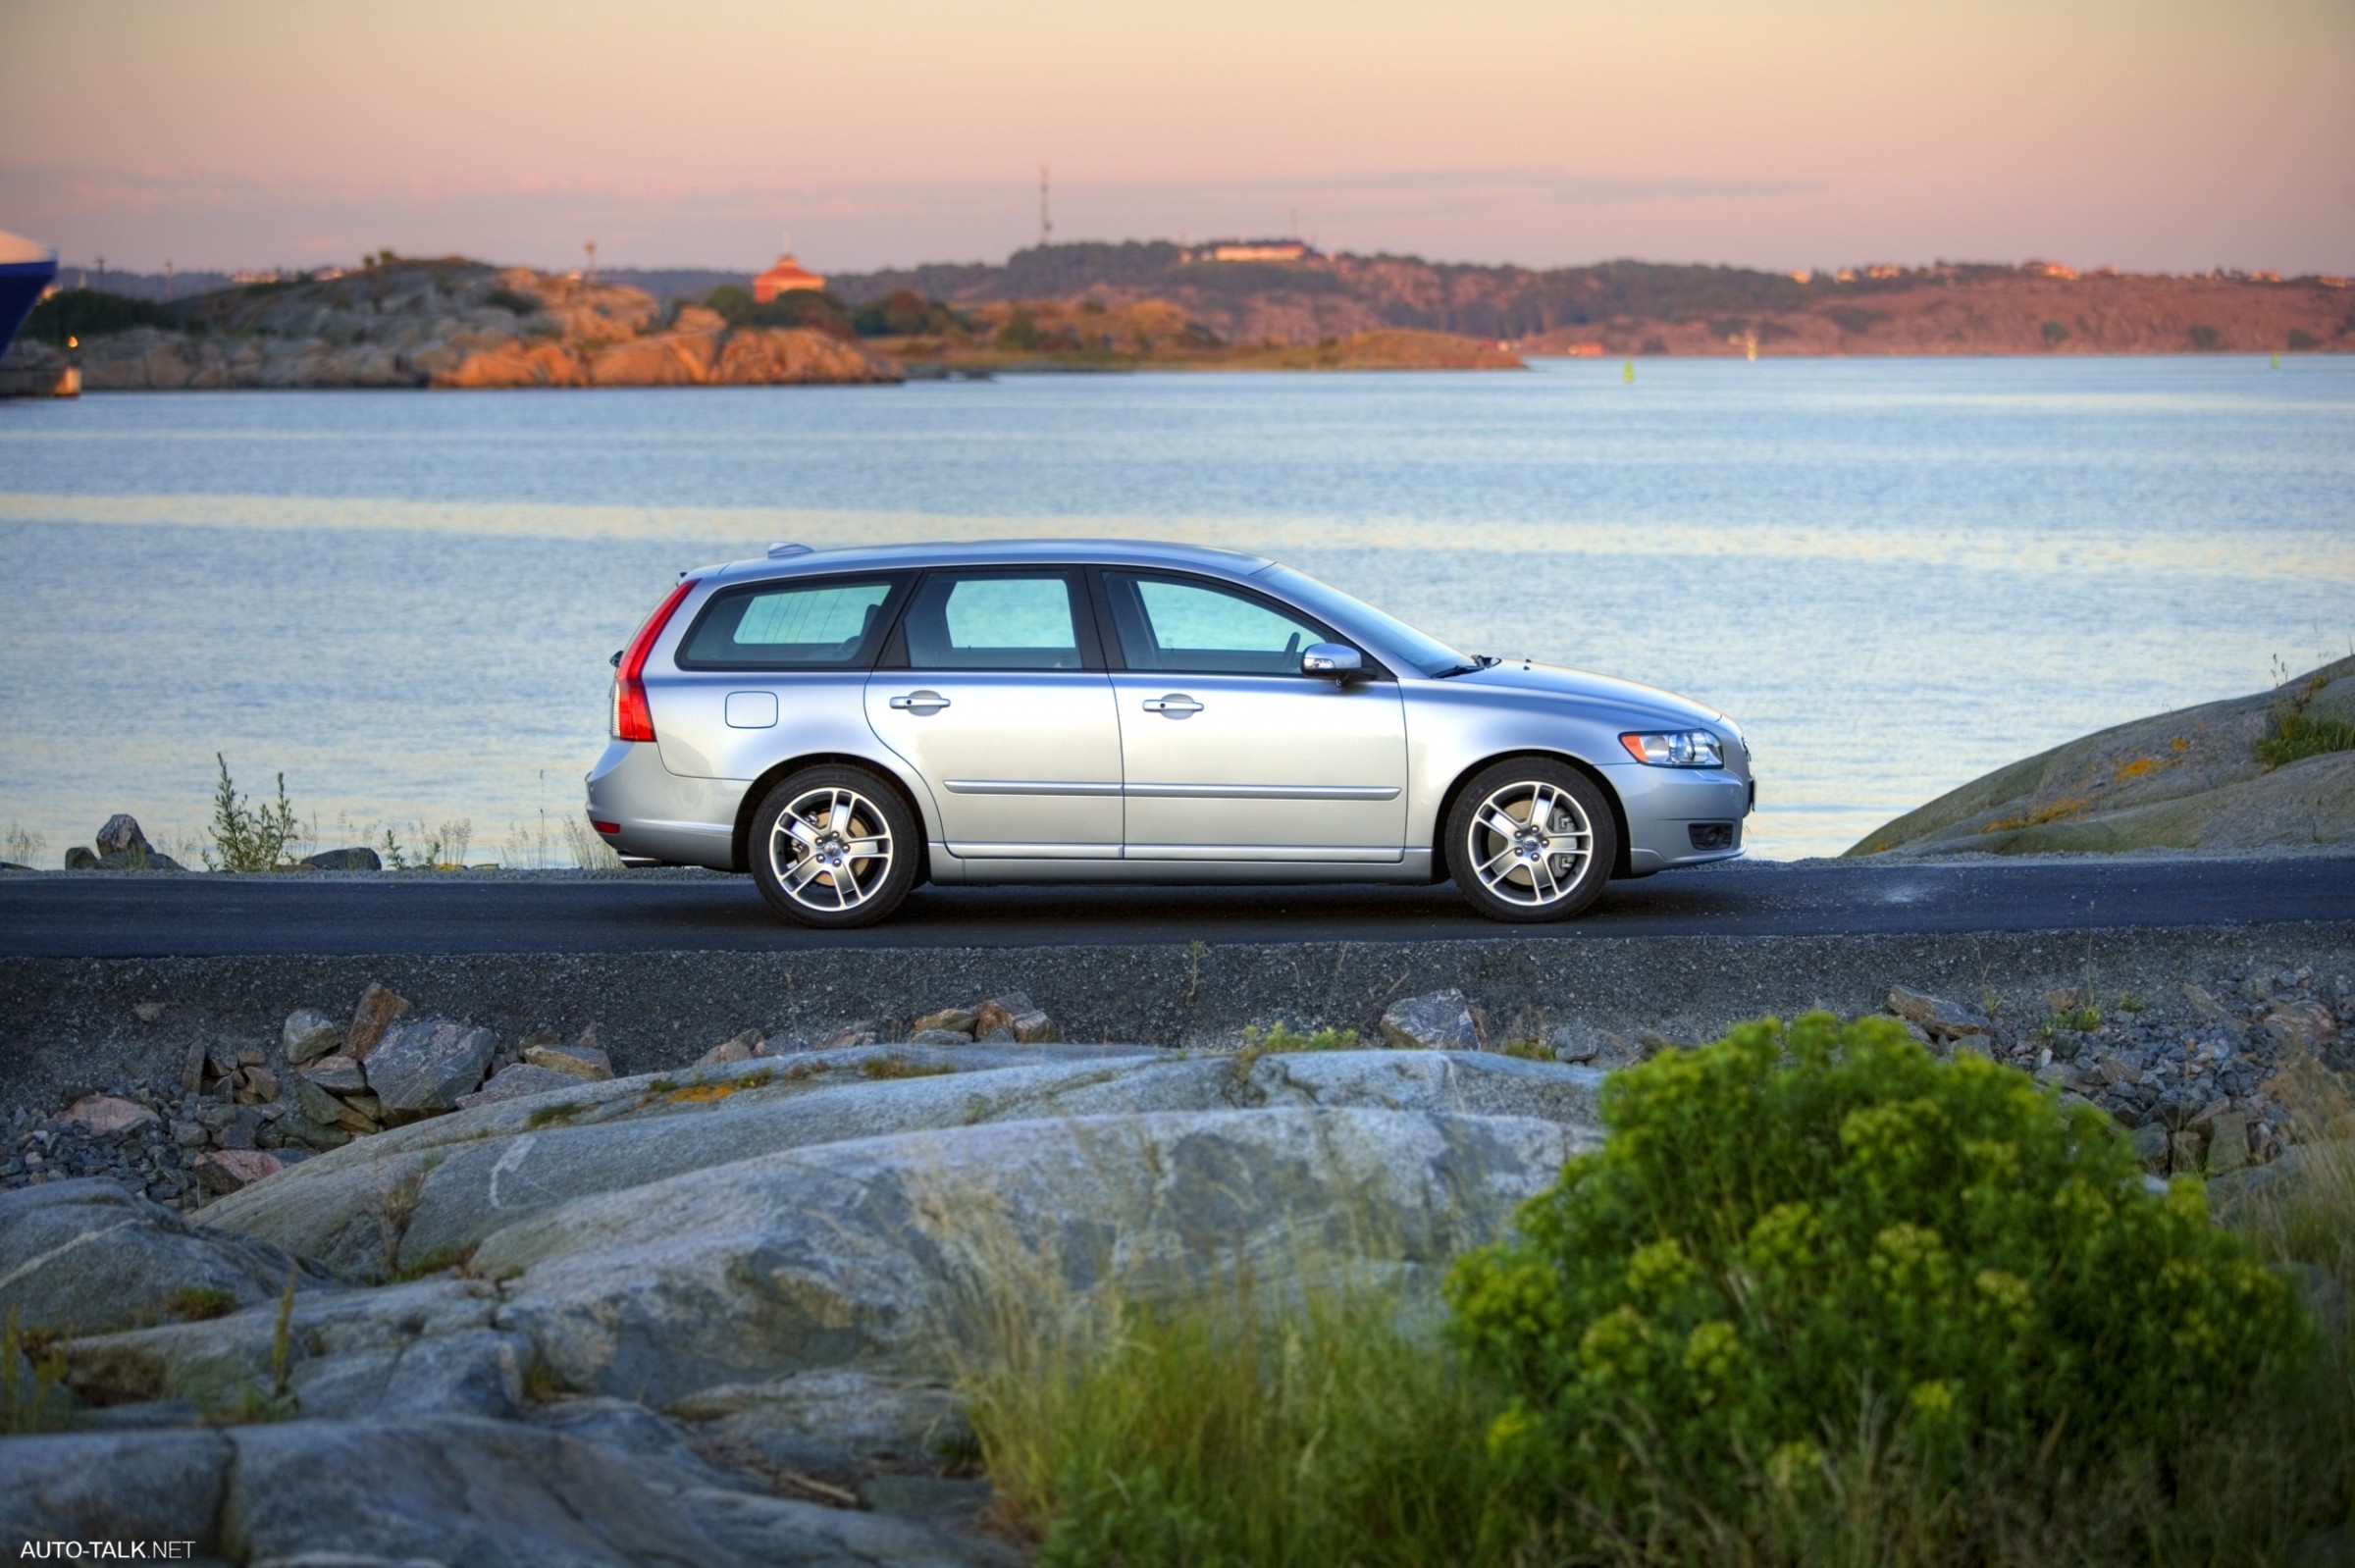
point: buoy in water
(1627, 371)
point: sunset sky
(2150, 134)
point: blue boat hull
(20, 285)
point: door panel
(1014, 736)
(1264, 767)
(1019, 762)
(1231, 754)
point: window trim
(887, 616)
(892, 653)
(1117, 657)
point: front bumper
(1665, 805)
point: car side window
(1179, 627)
(824, 625)
(994, 620)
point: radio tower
(591, 247)
(1046, 225)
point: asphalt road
(95, 915)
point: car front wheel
(834, 846)
(1530, 840)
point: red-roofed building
(784, 278)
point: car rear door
(992, 687)
(1230, 753)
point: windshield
(1427, 655)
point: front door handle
(920, 703)
(1175, 706)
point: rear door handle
(920, 703)
(1175, 706)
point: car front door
(992, 688)
(1229, 752)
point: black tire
(1526, 877)
(847, 812)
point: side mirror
(1336, 661)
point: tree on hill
(93, 313)
(905, 313)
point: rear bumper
(656, 814)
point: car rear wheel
(834, 846)
(1530, 840)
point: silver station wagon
(844, 723)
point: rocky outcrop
(459, 324)
(2193, 779)
(664, 1318)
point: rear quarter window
(832, 624)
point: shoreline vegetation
(453, 323)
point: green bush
(1814, 1262)
(2055, 335)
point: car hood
(1589, 688)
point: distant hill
(1622, 307)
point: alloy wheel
(831, 849)
(1530, 843)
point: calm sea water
(1896, 574)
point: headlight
(1676, 749)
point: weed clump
(1281, 1038)
(247, 837)
(1813, 1271)
(196, 1303)
(2297, 735)
(33, 1375)
(900, 1067)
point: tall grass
(1316, 1429)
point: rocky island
(449, 323)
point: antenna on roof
(784, 548)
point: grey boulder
(422, 1066)
(1438, 1021)
(88, 1256)
(516, 1081)
(456, 1179)
(308, 1034)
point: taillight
(633, 719)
